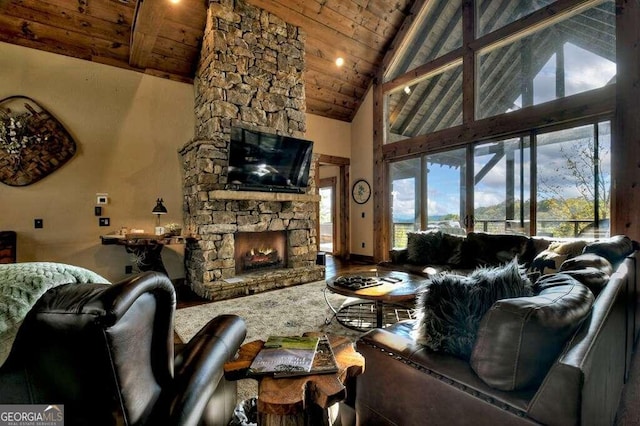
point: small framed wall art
(361, 191)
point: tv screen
(266, 162)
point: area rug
(289, 311)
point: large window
(502, 186)
(437, 31)
(559, 60)
(506, 131)
(428, 192)
(574, 181)
(493, 15)
(426, 106)
(571, 174)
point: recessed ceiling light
(339, 62)
(175, 1)
(407, 90)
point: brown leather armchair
(107, 353)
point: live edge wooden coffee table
(300, 400)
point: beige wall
(362, 168)
(330, 137)
(128, 128)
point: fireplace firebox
(260, 250)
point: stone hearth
(250, 75)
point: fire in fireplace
(260, 250)
(262, 257)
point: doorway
(332, 181)
(327, 214)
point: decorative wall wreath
(33, 144)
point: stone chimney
(250, 74)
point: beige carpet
(289, 311)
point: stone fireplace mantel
(263, 196)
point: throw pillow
(450, 307)
(483, 249)
(549, 261)
(546, 262)
(451, 249)
(423, 248)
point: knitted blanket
(22, 284)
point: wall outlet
(97, 210)
(104, 221)
(363, 214)
(363, 244)
(38, 223)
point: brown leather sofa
(107, 353)
(405, 383)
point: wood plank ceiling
(163, 39)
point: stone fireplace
(250, 75)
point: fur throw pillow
(450, 307)
(423, 247)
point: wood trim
(625, 151)
(333, 160)
(594, 103)
(423, 72)
(380, 178)
(540, 19)
(332, 182)
(468, 63)
(341, 247)
(398, 45)
(345, 228)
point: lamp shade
(159, 208)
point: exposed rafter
(147, 21)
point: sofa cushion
(450, 307)
(613, 249)
(482, 249)
(519, 338)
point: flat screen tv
(266, 162)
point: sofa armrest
(199, 369)
(404, 383)
(593, 360)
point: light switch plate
(102, 198)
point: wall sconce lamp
(158, 210)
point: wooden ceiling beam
(147, 22)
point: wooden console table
(146, 248)
(300, 400)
